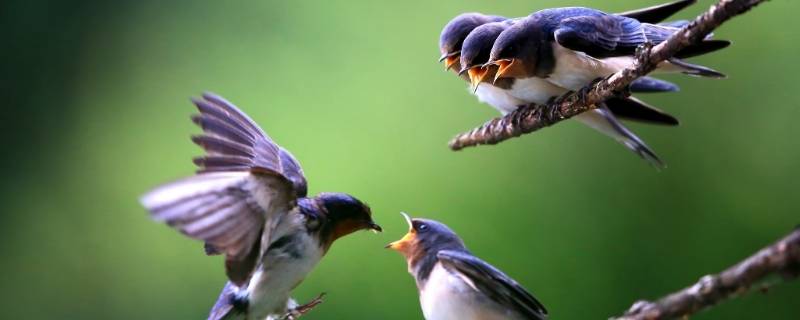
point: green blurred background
(96, 112)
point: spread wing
(493, 283)
(244, 182)
(606, 35)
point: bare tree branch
(781, 258)
(534, 117)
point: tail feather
(701, 48)
(662, 31)
(674, 24)
(657, 13)
(649, 85)
(636, 110)
(696, 70)
(225, 308)
(603, 120)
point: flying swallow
(571, 47)
(502, 93)
(249, 202)
(453, 284)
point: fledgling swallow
(459, 28)
(456, 31)
(453, 284)
(571, 47)
(475, 53)
(249, 202)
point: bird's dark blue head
(478, 45)
(476, 49)
(424, 239)
(456, 31)
(336, 215)
(516, 50)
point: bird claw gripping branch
(299, 311)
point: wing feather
(493, 283)
(215, 145)
(606, 35)
(244, 181)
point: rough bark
(780, 259)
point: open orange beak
(503, 67)
(406, 241)
(476, 76)
(451, 61)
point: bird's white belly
(535, 90)
(574, 69)
(497, 98)
(271, 286)
(448, 297)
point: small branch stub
(530, 118)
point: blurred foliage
(96, 109)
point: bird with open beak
(454, 33)
(249, 202)
(457, 29)
(455, 285)
(474, 54)
(470, 37)
(571, 47)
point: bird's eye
(312, 222)
(422, 227)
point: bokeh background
(96, 111)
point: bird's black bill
(448, 55)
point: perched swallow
(459, 28)
(455, 285)
(456, 31)
(571, 47)
(475, 53)
(249, 201)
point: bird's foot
(624, 92)
(560, 99)
(296, 312)
(642, 53)
(584, 92)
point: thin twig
(782, 258)
(534, 117)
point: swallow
(454, 33)
(475, 53)
(456, 30)
(249, 202)
(453, 284)
(459, 28)
(571, 47)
